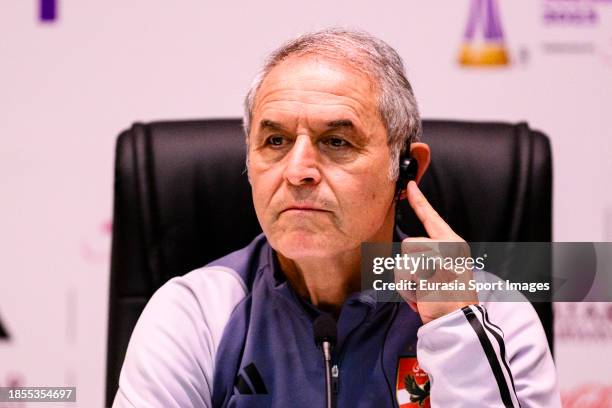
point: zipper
(335, 371)
(336, 367)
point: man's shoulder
(208, 295)
(208, 284)
(200, 301)
(172, 350)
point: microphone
(325, 336)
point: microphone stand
(327, 359)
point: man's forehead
(288, 116)
(285, 125)
(315, 74)
(317, 88)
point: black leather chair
(182, 199)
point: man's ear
(420, 151)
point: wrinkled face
(318, 160)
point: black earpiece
(408, 168)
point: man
(326, 122)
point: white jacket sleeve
(170, 358)
(493, 355)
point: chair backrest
(182, 199)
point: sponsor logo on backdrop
(583, 321)
(570, 20)
(483, 39)
(574, 12)
(48, 10)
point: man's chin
(299, 245)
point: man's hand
(429, 300)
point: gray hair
(371, 56)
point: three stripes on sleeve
(491, 338)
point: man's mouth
(304, 208)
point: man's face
(319, 160)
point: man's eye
(275, 140)
(336, 142)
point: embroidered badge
(412, 386)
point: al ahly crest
(412, 386)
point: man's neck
(326, 283)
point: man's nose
(303, 163)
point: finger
(435, 226)
(419, 245)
